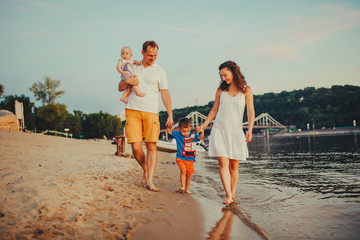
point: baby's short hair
(184, 122)
(126, 47)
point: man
(142, 118)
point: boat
(170, 146)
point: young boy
(186, 151)
(123, 69)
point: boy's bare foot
(182, 190)
(188, 192)
(123, 100)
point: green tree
(46, 92)
(98, 125)
(1, 89)
(73, 123)
(51, 116)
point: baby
(123, 69)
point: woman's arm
(250, 112)
(214, 110)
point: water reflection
(222, 229)
(295, 188)
(328, 165)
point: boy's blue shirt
(188, 153)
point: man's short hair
(184, 122)
(149, 44)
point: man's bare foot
(152, 188)
(123, 100)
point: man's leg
(140, 158)
(151, 158)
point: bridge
(263, 121)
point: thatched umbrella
(8, 120)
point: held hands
(200, 129)
(169, 123)
(248, 137)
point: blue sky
(279, 45)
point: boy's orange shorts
(188, 165)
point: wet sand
(55, 187)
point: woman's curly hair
(239, 78)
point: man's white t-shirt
(152, 79)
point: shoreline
(318, 132)
(55, 187)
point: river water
(290, 188)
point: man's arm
(132, 80)
(166, 98)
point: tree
(46, 92)
(98, 125)
(51, 116)
(73, 123)
(1, 89)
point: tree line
(54, 116)
(331, 107)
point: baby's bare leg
(137, 91)
(126, 94)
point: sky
(279, 45)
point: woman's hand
(248, 137)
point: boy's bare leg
(151, 158)
(187, 184)
(140, 158)
(137, 91)
(182, 179)
(125, 94)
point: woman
(227, 139)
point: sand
(61, 188)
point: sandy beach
(56, 187)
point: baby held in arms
(123, 67)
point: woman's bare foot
(228, 201)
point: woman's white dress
(227, 138)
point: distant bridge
(263, 121)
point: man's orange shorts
(141, 125)
(188, 165)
